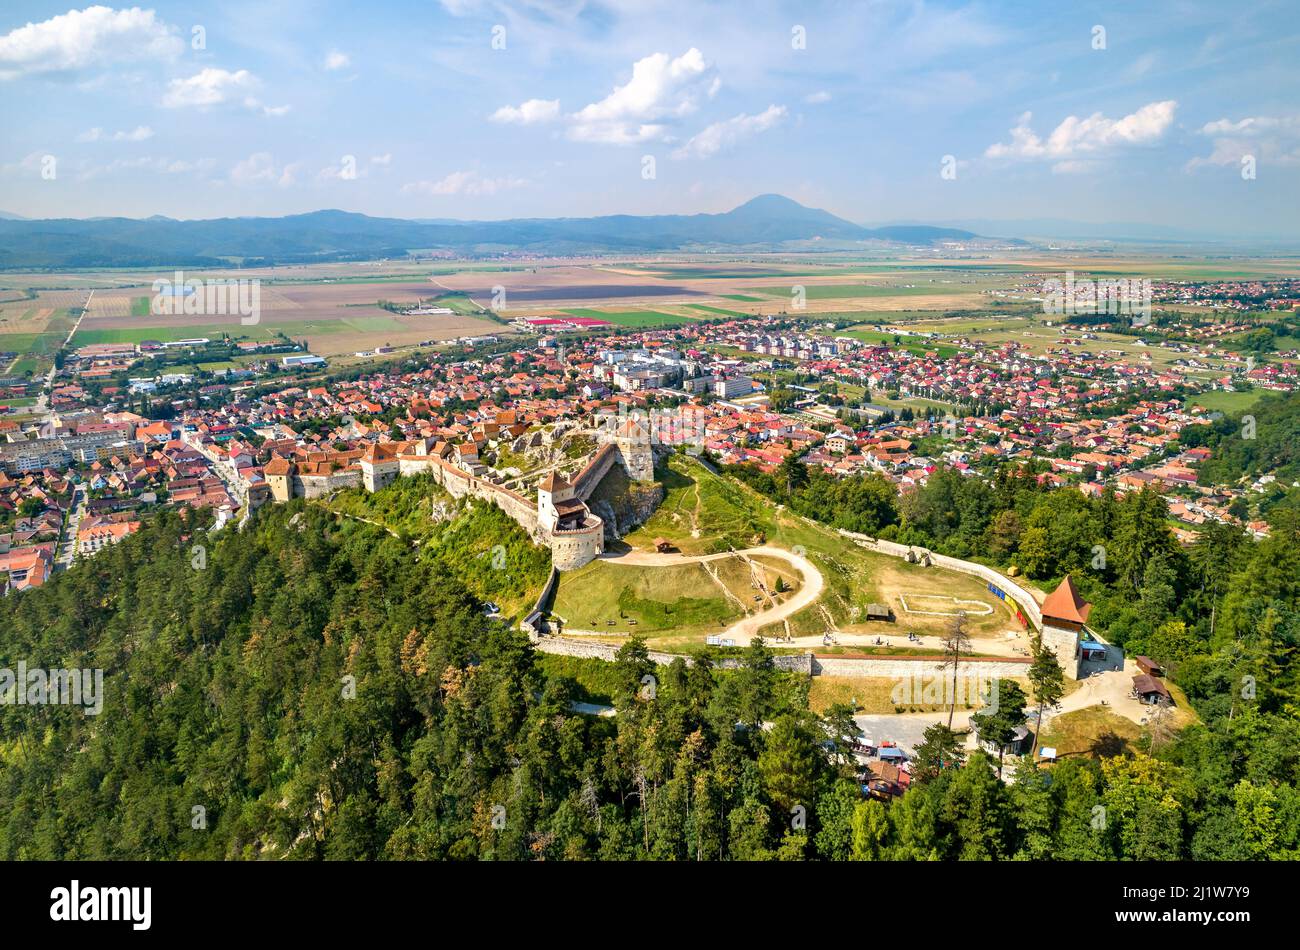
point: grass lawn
(1226, 402)
(872, 694)
(1094, 731)
(703, 513)
(679, 599)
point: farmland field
(630, 318)
(335, 317)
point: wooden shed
(1150, 690)
(1148, 666)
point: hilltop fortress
(559, 519)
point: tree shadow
(1108, 745)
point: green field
(680, 599)
(717, 310)
(846, 291)
(85, 337)
(914, 345)
(630, 318)
(743, 298)
(1220, 401)
(458, 302)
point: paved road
(746, 628)
(907, 730)
(67, 548)
(1013, 646)
(41, 407)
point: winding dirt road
(746, 628)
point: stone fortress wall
(571, 545)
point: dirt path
(746, 628)
(1113, 688)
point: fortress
(560, 518)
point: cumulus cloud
(337, 60)
(257, 105)
(528, 113)
(260, 169)
(1270, 139)
(1072, 142)
(138, 134)
(723, 135)
(80, 39)
(464, 183)
(207, 87)
(662, 89)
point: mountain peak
(770, 203)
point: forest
(315, 688)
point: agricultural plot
(32, 330)
(630, 318)
(334, 318)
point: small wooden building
(1148, 666)
(879, 612)
(1148, 689)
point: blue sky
(468, 109)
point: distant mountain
(7, 216)
(768, 221)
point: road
(67, 549)
(907, 730)
(746, 628)
(41, 408)
(1012, 645)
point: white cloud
(336, 60)
(661, 89)
(1252, 125)
(528, 113)
(207, 87)
(252, 102)
(464, 183)
(722, 135)
(385, 159)
(1269, 139)
(1076, 136)
(79, 39)
(260, 169)
(818, 97)
(154, 166)
(138, 134)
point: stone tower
(1064, 614)
(551, 493)
(633, 441)
(279, 474)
